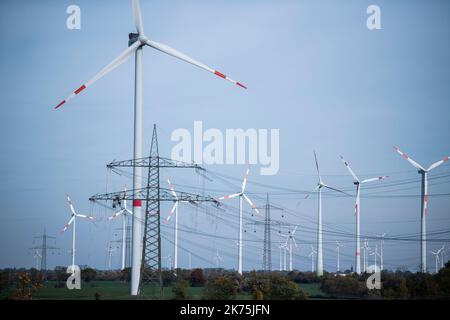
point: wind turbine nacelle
(132, 38)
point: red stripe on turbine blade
(241, 85)
(445, 159)
(358, 254)
(80, 89)
(405, 156)
(217, 73)
(60, 104)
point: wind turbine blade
(175, 205)
(231, 196)
(374, 179)
(295, 242)
(68, 224)
(85, 217)
(172, 189)
(437, 164)
(244, 182)
(137, 16)
(114, 64)
(404, 155)
(69, 201)
(313, 190)
(115, 215)
(251, 203)
(174, 53)
(317, 166)
(349, 169)
(331, 188)
(295, 229)
(129, 211)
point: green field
(115, 290)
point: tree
(88, 274)
(26, 287)
(220, 288)
(180, 289)
(125, 275)
(197, 278)
(281, 288)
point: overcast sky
(313, 70)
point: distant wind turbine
(358, 184)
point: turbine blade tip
(60, 104)
(241, 85)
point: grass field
(115, 290)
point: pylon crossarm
(147, 162)
(141, 194)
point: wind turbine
(375, 254)
(366, 250)
(241, 195)
(110, 251)
(320, 185)
(312, 255)
(124, 212)
(217, 259)
(338, 246)
(443, 250)
(174, 210)
(358, 184)
(288, 245)
(135, 45)
(73, 219)
(424, 203)
(436, 255)
(381, 236)
(37, 256)
(282, 248)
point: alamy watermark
(374, 280)
(234, 146)
(74, 280)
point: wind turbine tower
(424, 204)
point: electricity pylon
(43, 248)
(153, 194)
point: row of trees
(394, 285)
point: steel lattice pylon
(151, 250)
(153, 194)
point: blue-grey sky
(313, 70)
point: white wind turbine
(436, 255)
(282, 249)
(125, 212)
(73, 219)
(358, 184)
(338, 246)
(443, 251)
(217, 259)
(424, 203)
(375, 254)
(365, 252)
(241, 195)
(312, 255)
(320, 185)
(288, 245)
(110, 250)
(135, 45)
(174, 210)
(381, 236)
